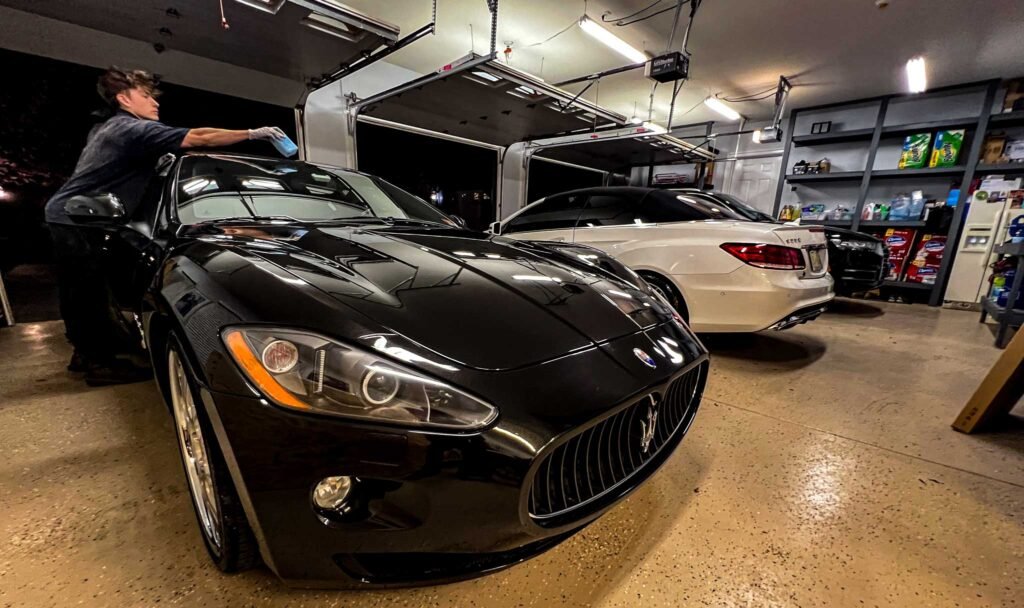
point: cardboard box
(1014, 94)
(992, 150)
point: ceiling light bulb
(756, 136)
(917, 80)
(612, 41)
(721, 108)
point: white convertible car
(722, 271)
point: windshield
(225, 187)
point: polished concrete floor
(821, 471)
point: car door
(129, 253)
(551, 219)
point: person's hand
(267, 133)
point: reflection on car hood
(481, 300)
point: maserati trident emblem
(647, 426)
(645, 358)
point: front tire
(226, 533)
(667, 290)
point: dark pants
(85, 302)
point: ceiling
(832, 50)
(276, 44)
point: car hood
(480, 300)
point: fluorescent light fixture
(721, 108)
(267, 6)
(917, 79)
(332, 26)
(650, 126)
(612, 41)
(534, 277)
(196, 184)
(486, 76)
(756, 136)
(256, 183)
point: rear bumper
(427, 507)
(749, 299)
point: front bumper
(434, 507)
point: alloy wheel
(194, 452)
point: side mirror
(164, 164)
(95, 207)
(495, 228)
(458, 220)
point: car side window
(555, 213)
(667, 207)
(608, 210)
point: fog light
(331, 492)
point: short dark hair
(115, 81)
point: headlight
(308, 372)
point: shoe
(77, 363)
(116, 372)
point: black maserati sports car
(366, 392)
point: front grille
(598, 460)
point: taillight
(762, 255)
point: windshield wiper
(250, 219)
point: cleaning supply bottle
(285, 146)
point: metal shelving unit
(907, 285)
(1007, 316)
(1007, 168)
(976, 124)
(839, 176)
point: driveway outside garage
(820, 471)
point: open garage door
(479, 99)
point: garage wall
(37, 35)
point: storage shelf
(825, 177)
(832, 223)
(1013, 316)
(928, 127)
(1008, 168)
(907, 285)
(926, 172)
(1010, 249)
(836, 137)
(893, 224)
(1006, 119)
